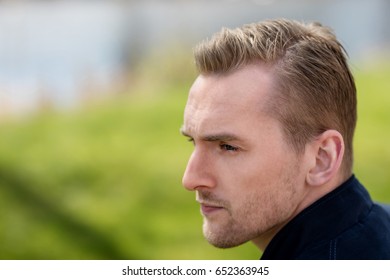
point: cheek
(243, 181)
(264, 178)
(262, 170)
(266, 200)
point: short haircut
(315, 90)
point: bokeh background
(91, 102)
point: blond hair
(315, 88)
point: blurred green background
(100, 178)
(103, 181)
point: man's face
(247, 179)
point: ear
(328, 152)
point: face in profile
(246, 177)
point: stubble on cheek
(254, 215)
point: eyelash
(228, 147)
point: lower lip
(207, 210)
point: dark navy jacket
(344, 224)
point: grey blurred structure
(56, 50)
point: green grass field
(104, 181)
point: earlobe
(328, 153)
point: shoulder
(385, 207)
(369, 238)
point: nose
(199, 172)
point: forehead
(226, 100)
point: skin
(248, 181)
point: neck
(263, 240)
(314, 193)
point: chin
(224, 242)
(223, 237)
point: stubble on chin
(226, 230)
(217, 229)
(222, 237)
(233, 228)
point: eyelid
(225, 145)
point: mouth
(208, 209)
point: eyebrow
(222, 137)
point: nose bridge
(198, 170)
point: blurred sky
(56, 50)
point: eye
(227, 147)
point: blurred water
(58, 49)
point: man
(272, 116)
